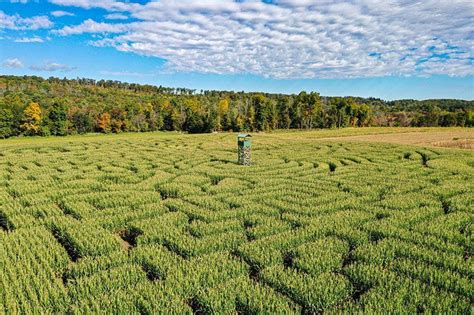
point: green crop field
(169, 223)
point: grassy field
(451, 138)
(354, 220)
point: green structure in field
(244, 146)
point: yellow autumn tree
(32, 119)
(103, 122)
(222, 114)
(223, 107)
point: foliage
(32, 119)
(103, 122)
(58, 119)
(6, 122)
(84, 105)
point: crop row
(161, 224)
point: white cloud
(293, 38)
(103, 4)
(51, 66)
(90, 26)
(61, 13)
(16, 22)
(116, 16)
(34, 39)
(13, 63)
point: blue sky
(390, 49)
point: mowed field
(323, 221)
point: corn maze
(172, 224)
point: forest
(31, 105)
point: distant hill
(31, 105)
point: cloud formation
(116, 16)
(61, 13)
(292, 38)
(51, 66)
(16, 22)
(90, 26)
(34, 39)
(13, 63)
(111, 5)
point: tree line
(31, 105)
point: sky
(390, 49)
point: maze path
(143, 225)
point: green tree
(273, 114)
(58, 119)
(6, 122)
(194, 114)
(364, 115)
(82, 122)
(313, 110)
(262, 112)
(284, 106)
(250, 121)
(469, 120)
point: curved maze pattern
(173, 223)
